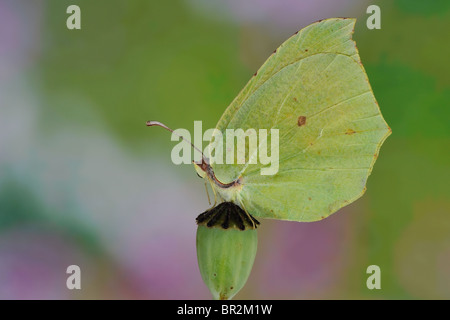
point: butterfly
(315, 91)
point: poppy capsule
(226, 248)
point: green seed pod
(226, 248)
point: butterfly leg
(207, 193)
(248, 215)
(215, 196)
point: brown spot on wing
(350, 131)
(301, 121)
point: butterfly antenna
(162, 125)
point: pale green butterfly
(315, 91)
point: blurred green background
(83, 181)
